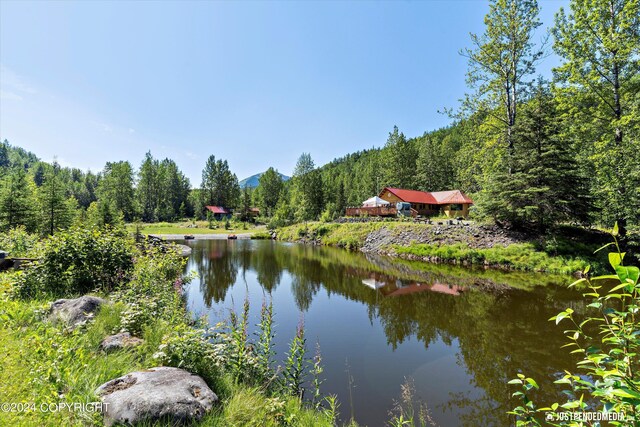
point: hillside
(253, 180)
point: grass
(42, 363)
(194, 227)
(46, 363)
(520, 256)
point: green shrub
(191, 349)
(153, 293)
(18, 243)
(78, 261)
(609, 380)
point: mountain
(252, 181)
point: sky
(254, 82)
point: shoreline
(201, 236)
(566, 252)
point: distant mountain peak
(253, 180)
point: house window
(456, 207)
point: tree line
(45, 197)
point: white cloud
(10, 96)
(103, 126)
(10, 81)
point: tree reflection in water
(494, 329)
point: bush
(78, 261)
(190, 349)
(154, 290)
(17, 242)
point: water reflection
(461, 334)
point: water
(458, 334)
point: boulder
(170, 394)
(74, 312)
(118, 341)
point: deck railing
(372, 211)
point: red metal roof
(452, 196)
(217, 210)
(411, 196)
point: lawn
(197, 227)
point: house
(453, 203)
(219, 212)
(251, 213)
(421, 202)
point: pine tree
(17, 203)
(56, 209)
(148, 188)
(400, 162)
(545, 185)
(5, 162)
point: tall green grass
(521, 256)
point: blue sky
(256, 83)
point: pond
(457, 334)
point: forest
(532, 152)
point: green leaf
(560, 316)
(615, 229)
(615, 258)
(603, 247)
(625, 273)
(577, 282)
(605, 277)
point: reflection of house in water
(390, 286)
(373, 283)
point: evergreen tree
(219, 186)
(434, 168)
(245, 205)
(5, 162)
(598, 86)
(17, 202)
(174, 190)
(209, 181)
(148, 188)
(545, 185)
(400, 157)
(56, 209)
(39, 173)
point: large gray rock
(74, 312)
(158, 393)
(118, 341)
